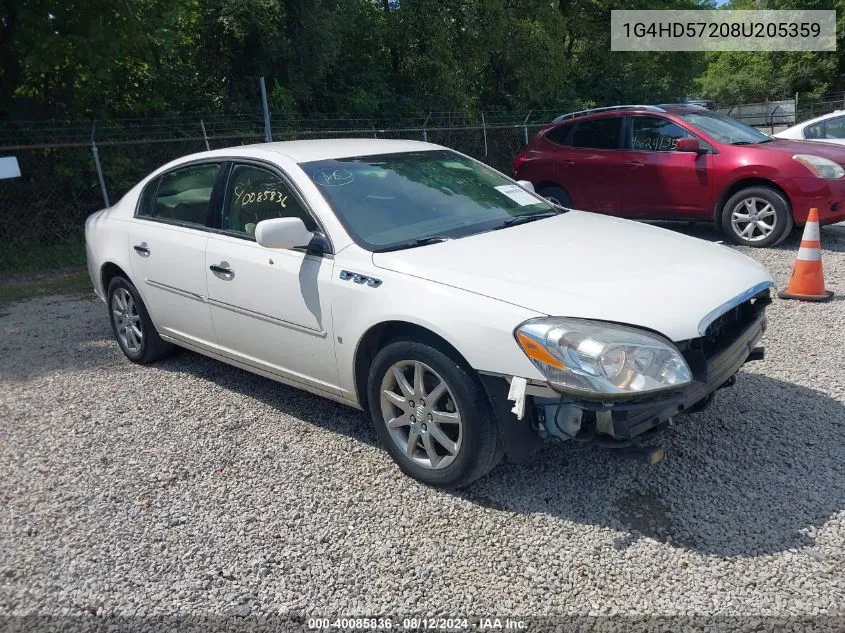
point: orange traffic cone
(807, 281)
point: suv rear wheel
(757, 216)
(556, 195)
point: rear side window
(182, 195)
(655, 134)
(597, 134)
(560, 134)
(814, 131)
(148, 195)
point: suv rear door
(659, 182)
(590, 165)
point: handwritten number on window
(270, 195)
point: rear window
(597, 133)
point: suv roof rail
(569, 115)
(663, 106)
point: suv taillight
(517, 163)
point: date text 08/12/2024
(417, 623)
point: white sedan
(828, 128)
(471, 318)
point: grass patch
(69, 281)
(32, 257)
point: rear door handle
(634, 164)
(222, 269)
(142, 248)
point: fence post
(525, 125)
(204, 135)
(795, 111)
(484, 127)
(772, 119)
(268, 134)
(425, 134)
(96, 154)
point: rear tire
(431, 415)
(556, 195)
(757, 217)
(131, 324)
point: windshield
(403, 200)
(725, 129)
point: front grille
(727, 327)
(723, 332)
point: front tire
(431, 415)
(131, 324)
(757, 216)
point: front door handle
(567, 163)
(635, 164)
(222, 269)
(142, 248)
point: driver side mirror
(689, 144)
(525, 184)
(283, 233)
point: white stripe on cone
(811, 231)
(809, 254)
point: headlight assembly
(821, 167)
(595, 358)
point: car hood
(586, 265)
(794, 146)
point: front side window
(655, 134)
(725, 129)
(183, 195)
(396, 200)
(598, 133)
(255, 194)
(835, 128)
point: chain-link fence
(42, 212)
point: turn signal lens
(536, 352)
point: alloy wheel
(753, 219)
(127, 321)
(421, 414)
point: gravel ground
(192, 487)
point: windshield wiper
(522, 219)
(434, 239)
(743, 143)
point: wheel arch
(549, 183)
(380, 334)
(109, 271)
(739, 185)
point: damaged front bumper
(549, 414)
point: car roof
(823, 117)
(320, 149)
(663, 108)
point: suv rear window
(597, 133)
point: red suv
(683, 162)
